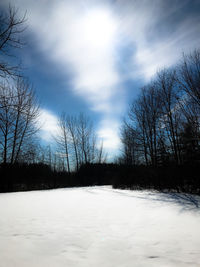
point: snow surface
(99, 227)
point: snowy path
(98, 227)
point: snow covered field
(98, 227)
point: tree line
(163, 124)
(26, 163)
(162, 128)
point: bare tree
(137, 121)
(19, 111)
(171, 115)
(62, 138)
(189, 75)
(152, 107)
(77, 140)
(86, 139)
(11, 27)
(144, 115)
(72, 128)
(6, 118)
(27, 113)
(129, 140)
(101, 155)
(165, 112)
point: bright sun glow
(99, 27)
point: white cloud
(79, 36)
(82, 40)
(48, 124)
(109, 133)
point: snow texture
(99, 227)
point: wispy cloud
(160, 31)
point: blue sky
(92, 56)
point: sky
(92, 56)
